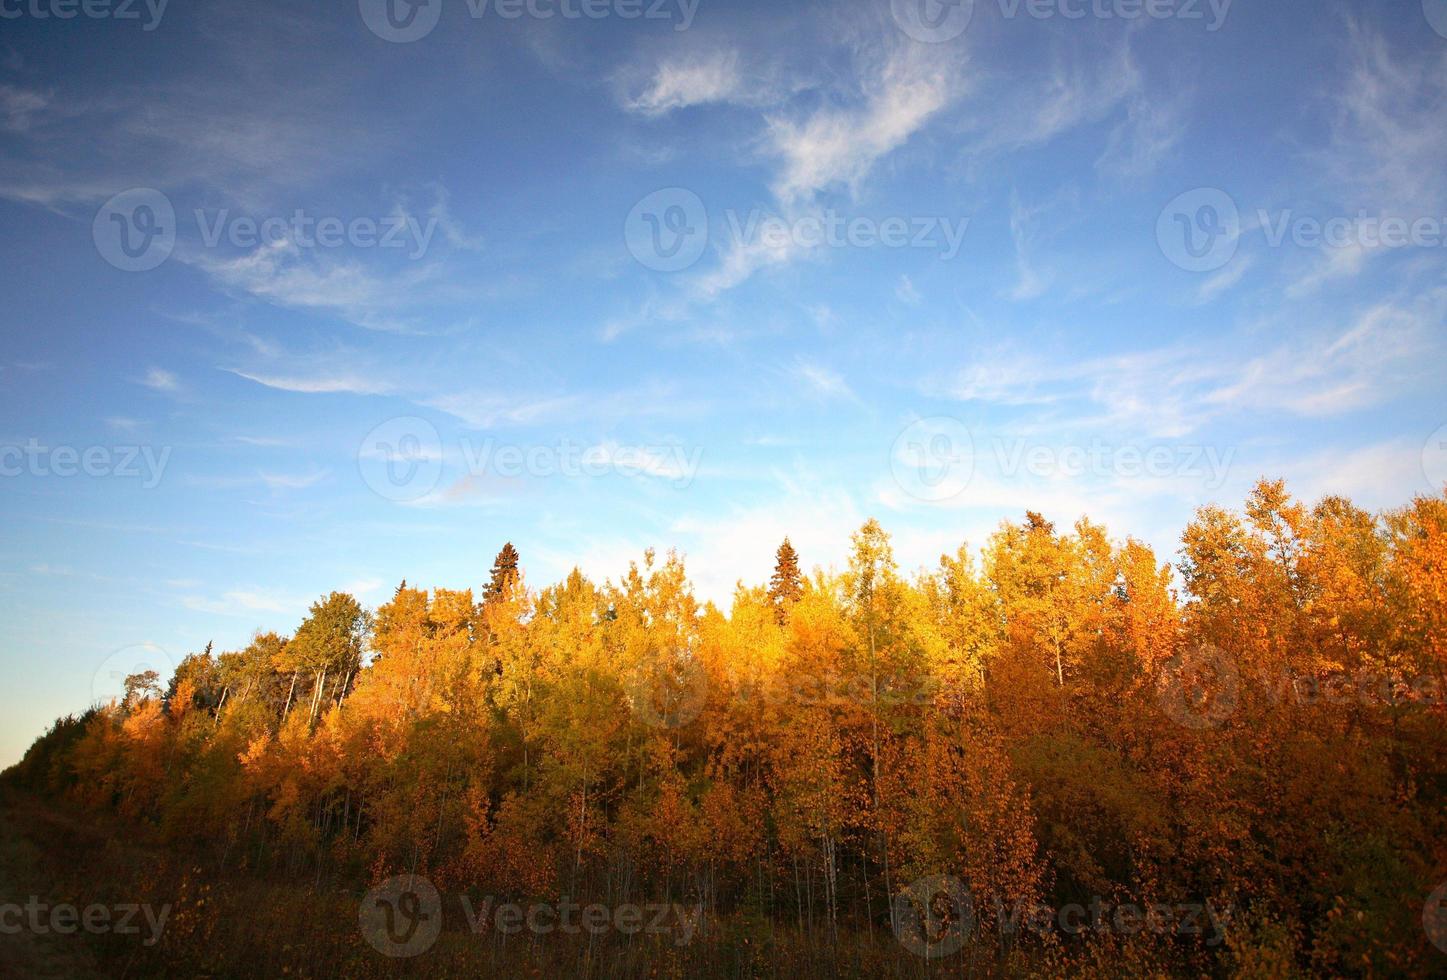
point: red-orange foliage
(1016, 723)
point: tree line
(1057, 720)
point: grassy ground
(24, 872)
(241, 925)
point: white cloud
(1385, 150)
(314, 384)
(1225, 279)
(838, 145)
(481, 410)
(1387, 141)
(1363, 365)
(159, 379)
(1030, 281)
(696, 79)
(1002, 378)
(124, 424)
(1170, 392)
(363, 587)
(286, 275)
(1343, 262)
(742, 257)
(485, 411)
(853, 121)
(1153, 128)
(1082, 86)
(17, 106)
(246, 603)
(1375, 476)
(452, 230)
(824, 381)
(293, 481)
(234, 120)
(833, 147)
(740, 542)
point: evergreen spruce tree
(504, 574)
(787, 585)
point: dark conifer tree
(787, 585)
(504, 574)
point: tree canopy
(1059, 718)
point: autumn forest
(1060, 753)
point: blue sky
(328, 308)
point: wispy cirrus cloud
(1030, 280)
(1226, 279)
(1383, 155)
(1075, 86)
(1172, 391)
(237, 124)
(823, 381)
(159, 379)
(490, 409)
(1385, 141)
(697, 78)
(273, 480)
(318, 383)
(19, 106)
(286, 275)
(741, 258)
(837, 145)
(486, 410)
(293, 481)
(1154, 126)
(1365, 364)
(818, 133)
(246, 602)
